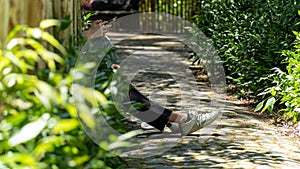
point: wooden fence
(181, 8)
(31, 12)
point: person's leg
(151, 112)
(148, 111)
(178, 117)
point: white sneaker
(186, 127)
(174, 127)
(196, 121)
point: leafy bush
(103, 79)
(249, 35)
(39, 112)
(286, 89)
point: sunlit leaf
(101, 98)
(14, 42)
(72, 110)
(86, 116)
(88, 94)
(104, 145)
(295, 33)
(119, 144)
(20, 63)
(45, 93)
(4, 65)
(48, 144)
(10, 80)
(50, 56)
(49, 38)
(259, 106)
(16, 119)
(34, 44)
(25, 159)
(92, 96)
(3, 166)
(269, 104)
(28, 54)
(80, 160)
(129, 135)
(49, 23)
(14, 32)
(35, 32)
(29, 131)
(13, 78)
(65, 125)
(51, 65)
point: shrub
(249, 35)
(286, 86)
(39, 112)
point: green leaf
(295, 33)
(50, 57)
(65, 125)
(121, 140)
(81, 159)
(29, 131)
(20, 63)
(13, 78)
(46, 93)
(104, 145)
(28, 54)
(85, 113)
(92, 96)
(119, 144)
(49, 38)
(14, 32)
(48, 144)
(5, 62)
(16, 119)
(129, 135)
(49, 23)
(34, 32)
(25, 159)
(270, 103)
(71, 110)
(259, 106)
(273, 92)
(65, 23)
(13, 42)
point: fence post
(4, 20)
(31, 12)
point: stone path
(235, 140)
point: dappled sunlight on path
(235, 140)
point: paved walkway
(235, 140)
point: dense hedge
(249, 36)
(285, 92)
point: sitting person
(184, 123)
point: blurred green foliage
(249, 36)
(39, 107)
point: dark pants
(147, 110)
(143, 108)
